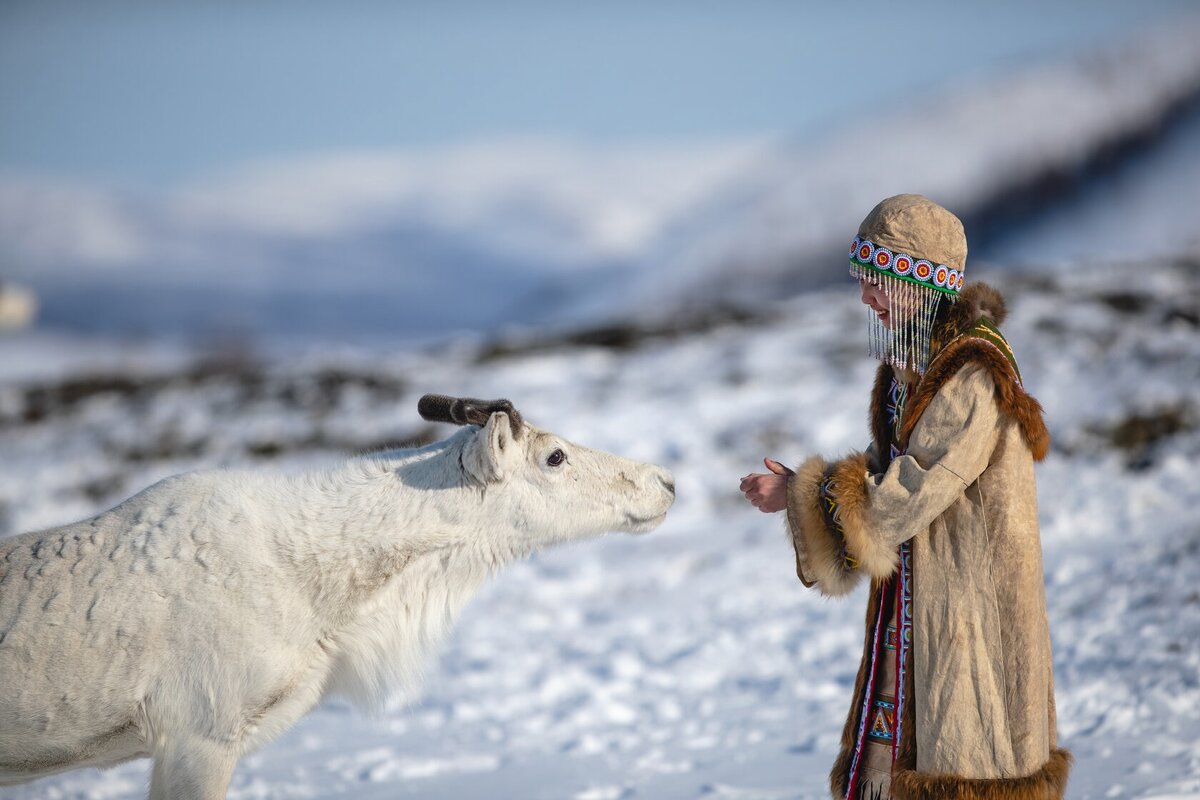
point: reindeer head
(553, 488)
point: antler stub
(466, 410)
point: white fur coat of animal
(204, 616)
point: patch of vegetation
(621, 336)
(1125, 302)
(1139, 434)
(246, 383)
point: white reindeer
(204, 616)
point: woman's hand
(768, 493)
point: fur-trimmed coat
(981, 711)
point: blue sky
(165, 91)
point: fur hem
(1048, 783)
(876, 558)
(818, 547)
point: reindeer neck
(355, 527)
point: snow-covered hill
(987, 150)
(386, 243)
(689, 662)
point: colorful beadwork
(883, 722)
(863, 251)
(943, 277)
(986, 329)
(905, 616)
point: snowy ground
(689, 662)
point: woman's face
(873, 296)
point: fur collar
(948, 354)
(976, 302)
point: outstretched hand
(767, 493)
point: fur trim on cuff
(849, 488)
(818, 547)
(1048, 783)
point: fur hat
(917, 252)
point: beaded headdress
(916, 251)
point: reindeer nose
(668, 482)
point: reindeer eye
(556, 458)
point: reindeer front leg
(191, 768)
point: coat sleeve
(846, 521)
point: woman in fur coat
(955, 696)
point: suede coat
(979, 719)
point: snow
(688, 662)
(1147, 208)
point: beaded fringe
(912, 309)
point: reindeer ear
(493, 454)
